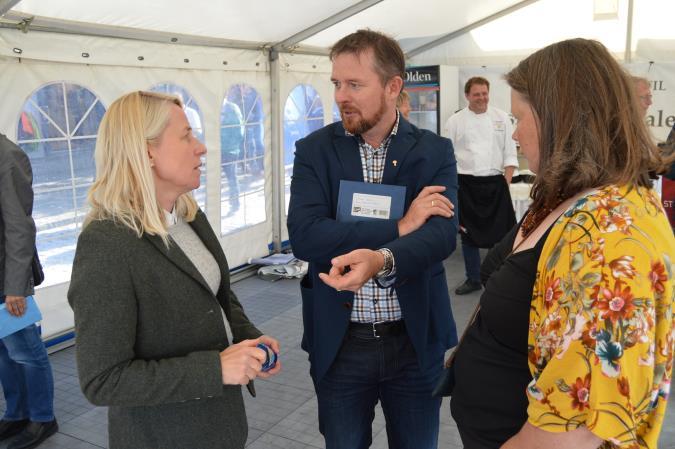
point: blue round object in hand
(270, 357)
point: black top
(489, 401)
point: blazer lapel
(398, 149)
(347, 150)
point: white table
(520, 197)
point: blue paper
(10, 324)
(347, 210)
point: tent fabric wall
(23, 76)
(312, 70)
(67, 48)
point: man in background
(486, 158)
(403, 104)
(644, 93)
(25, 372)
(231, 138)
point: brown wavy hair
(591, 129)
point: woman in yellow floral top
(600, 344)
(600, 336)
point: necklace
(533, 219)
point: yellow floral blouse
(601, 324)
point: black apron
(485, 210)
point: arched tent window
(242, 185)
(196, 120)
(57, 130)
(303, 114)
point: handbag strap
(461, 339)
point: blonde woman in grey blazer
(150, 290)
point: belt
(378, 329)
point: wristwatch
(388, 263)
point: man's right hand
(429, 202)
(16, 305)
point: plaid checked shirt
(373, 304)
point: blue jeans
(368, 370)
(26, 376)
(471, 262)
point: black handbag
(36, 268)
(446, 383)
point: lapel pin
(394, 162)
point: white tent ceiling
(454, 31)
(268, 22)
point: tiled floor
(284, 414)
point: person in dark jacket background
(25, 372)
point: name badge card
(371, 206)
(359, 201)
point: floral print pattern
(601, 324)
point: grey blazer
(17, 229)
(149, 332)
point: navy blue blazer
(416, 158)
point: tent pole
(53, 25)
(628, 54)
(447, 37)
(277, 115)
(6, 5)
(290, 43)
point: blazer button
(347, 305)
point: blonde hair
(124, 189)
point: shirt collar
(171, 217)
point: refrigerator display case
(433, 95)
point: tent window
(242, 146)
(196, 120)
(57, 130)
(303, 114)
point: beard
(358, 124)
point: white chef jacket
(482, 142)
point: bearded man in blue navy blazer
(376, 310)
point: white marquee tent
(62, 62)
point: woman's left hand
(273, 344)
